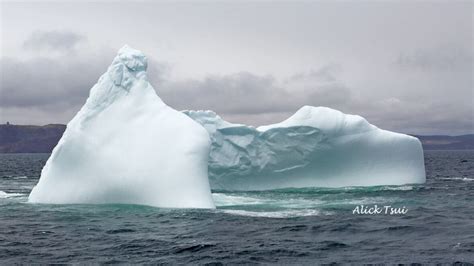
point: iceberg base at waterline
(127, 146)
(316, 147)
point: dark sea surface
(293, 226)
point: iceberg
(315, 147)
(127, 146)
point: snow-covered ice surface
(126, 146)
(316, 147)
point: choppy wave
(457, 178)
(222, 199)
(350, 189)
(277, 214)
(269, 199)
(14, 177)
(287, 226)
(403, 188)
(5, 195)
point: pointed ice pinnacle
(126, 146)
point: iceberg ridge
(315, 147)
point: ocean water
(292, 226)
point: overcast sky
(405, 66)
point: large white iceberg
(126, 146)
(316, 147)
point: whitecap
(278, 214)
(221, 199)
(5, 195)
(398, 188)
(457, 178)
(365, 201)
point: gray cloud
(445, 58)
(65, 83)
(247, 93)
(43, 82)
(397, 64)
(423, 116)
(327, 73)
(62, 41)
(36, 94)
(56, 83)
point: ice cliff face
(316, 147)
(126, 146)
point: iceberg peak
(126, 145)
(133, 59)
(128, 66)
(125, 76)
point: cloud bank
(53, 41)
(397, 64)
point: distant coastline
(42, 139)
(29, 139)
